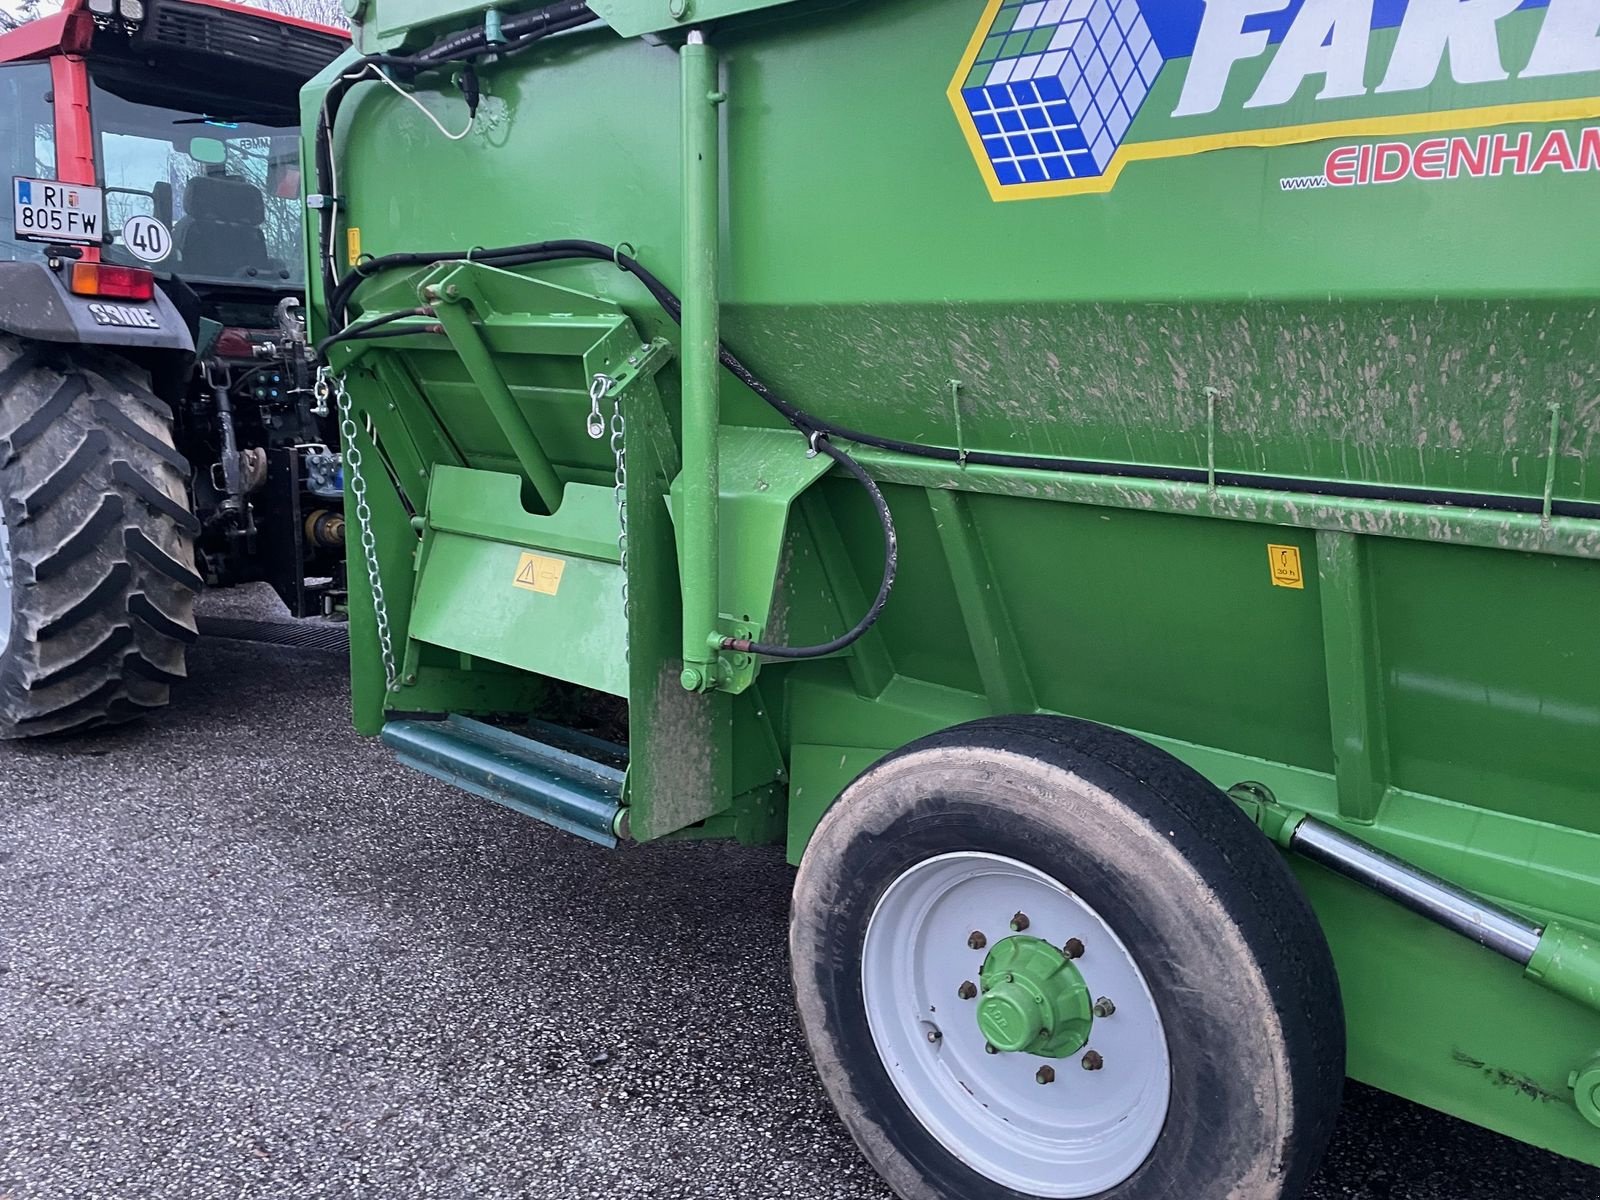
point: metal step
(540, 781)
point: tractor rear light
(101, 8)
(131, 10)
(117, 283)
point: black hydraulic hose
(536, 23)
(891, 567)
(364, 328)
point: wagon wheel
(1036, 957)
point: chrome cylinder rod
(1427, 895)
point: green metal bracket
(642, 363)
(762, 473)
(453, 303)
(1585, 1085)
(1277, 821)
(1567, 961)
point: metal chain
(369, 542)
(619, 449)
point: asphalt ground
(245, 955)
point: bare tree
(23, 11)
(326, 12)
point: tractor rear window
(27, 144)
(224, 186)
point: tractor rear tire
(97, 578)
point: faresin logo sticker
(1057, 97)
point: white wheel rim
(1083, 1133)
(5, 585)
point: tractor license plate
(46, 211)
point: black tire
(1233, 956)
(101, 541)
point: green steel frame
(1410, 671)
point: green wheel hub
(1034, 1000)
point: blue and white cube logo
(1055, 85)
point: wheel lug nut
(1046, 1075)
(1092, 1061)
(1020, 922)
(988, 1049)
(967, 990)
(1073, 948)
(1104, 1007)
(976, 940)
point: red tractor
(157, 429)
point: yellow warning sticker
(352, 244)
(540, 573)
(1285, 562)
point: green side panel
(935, 646)
(1439, 1036)
(1122, 613)
(1102, 615)
(1491, 699)
(820, 773)
(681, 743)
(511, 587)
(577, 635)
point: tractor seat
(220, 231)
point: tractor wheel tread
(141, 606)
(83, 540)
(96, 599)
(138, 664)
(118, 637)
(47, 414)
(122, 375)
(137, 433)
(77, 465)
(92, 490)
(141, 547)
(124, 473)
(24, 361)
(97, 698)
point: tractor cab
(184, 114)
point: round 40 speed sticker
(147, 238)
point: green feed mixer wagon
(1104, 483)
